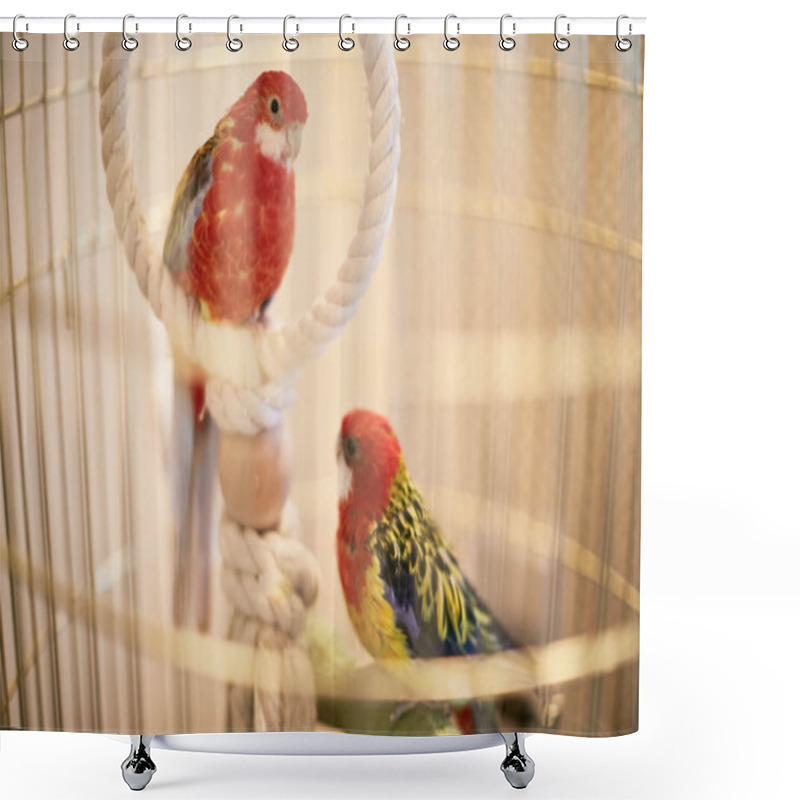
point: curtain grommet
(129, 43)
(289, 44)
(622, 44)
(451, 43)
(233, 44)
(71, 43)
(345, 42)
(182, 43)
(401, 43)
(561, 43)
(18, 42)
(507, 42)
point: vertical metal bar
(17, 643)
(66, 527)
(554, 620)
(87, 533)
(39, 426)
(182, 677)
(492, 481)
(601, 619)
(5, 717)
(15, 367)
(508, 312)
(5, 700)
(132, 689)
(94, 360)
(5, 711)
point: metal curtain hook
(451, 43)
(183, 43)
(561, 43)
(129, 43)
(345, 42)
(18, 43)
(70, 42)
(233, 44)
(401, 42)
(289, 44)
(507, 42)
(623, 45)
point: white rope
(248, 411)
(269, 575)
(271, 579)
(243, 359)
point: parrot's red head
(368, 454)
(272, 112)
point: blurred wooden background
(502, 337)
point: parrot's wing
(434, 603)
(187, 206)
(195, 441)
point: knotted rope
(269, 577)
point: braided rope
(272, 576)
(271, 579)
(248, 411)
(242, 359)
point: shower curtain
(393, 489)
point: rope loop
(271, 576)
(248, 364)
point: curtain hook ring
(401, 42)
(289, 44)
(623, 45)
(561, 43)
(345, 42)
(233, 44)
(18, 43)
(183, 43)
(451, 43)
(507, 42)
(129, 43)
(70, 42)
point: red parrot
(230, 235)
(405, 592)
(228, 244)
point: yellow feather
(374, 622)
(463, 623)
(440, 610)
(458, 615)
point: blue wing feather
(188, 205)
(437, 620)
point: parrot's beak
(294, 137)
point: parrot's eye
(350, 448)
(275, 105)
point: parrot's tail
(196, 443)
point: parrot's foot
(138, 768)
(517, 766)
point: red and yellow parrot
(228, 244)
(404, 590)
